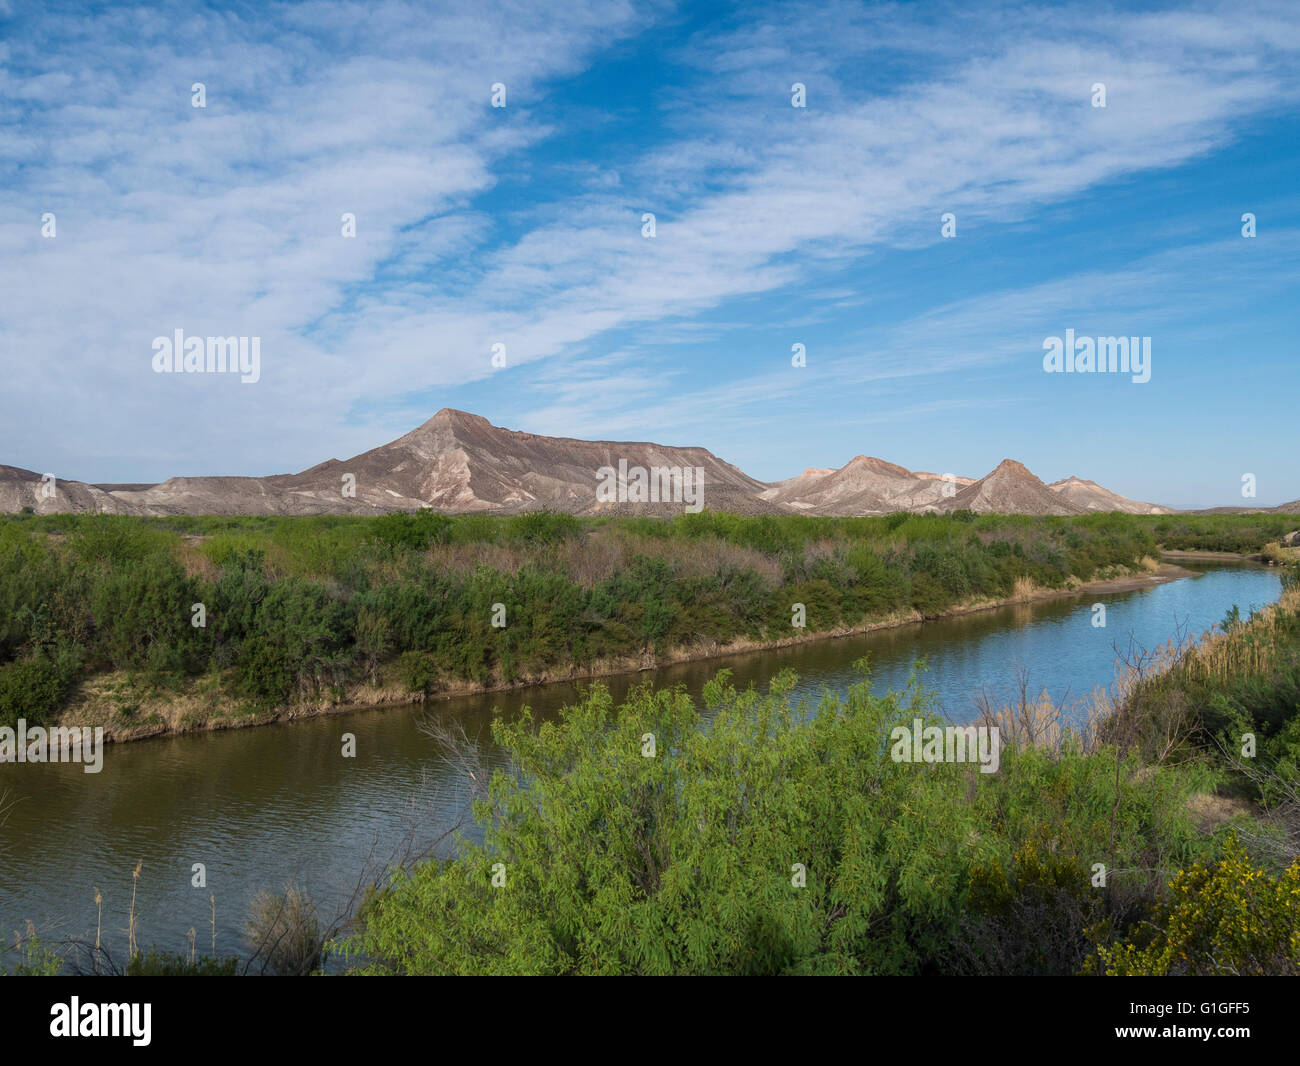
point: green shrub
(298, 643)
(297, 603)
(778, 839)
(33, 689)
(543, 527)
(142, 615)
(412, 531)
(418, 671)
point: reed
(99, 925)
(132, 946)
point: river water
(264, 806)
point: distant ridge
(459, 462)
(1092, 497)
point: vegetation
(285, 933)
(1238, 691)
(155, 963)
(768, 838)
(284, 936)
(1225, 918)
(298, 608)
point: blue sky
(775, 225)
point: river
(263, 806)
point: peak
(447, 421)
(450, 416)
(1010, 466)
(879, 465)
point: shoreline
(1213, 557)
(192, 711)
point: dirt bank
(1211, 557)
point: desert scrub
(1225, 918)
(296, 608)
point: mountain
(864, 486)
(455, 462)
(1009, 489)
(1092, 497)
(21, 488)
(459, 462)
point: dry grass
(464, 559)
(1023, 590)
(1274, 553)
(591, 559)
(1209, 811)
(1220, 658)
(1039, 721)
(602, 553)
(194, 560)
(816, 550)
(1150, 705)
(710, 556)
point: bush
(285, 933)
(33, 689)
(294, 604)
(775, 839)
(543, 527)
(1226, 917)
(298, 642)
(34, 958)
(412, 531)
(116, 539)
(141, 611)
(418, 671)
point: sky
(775, 225)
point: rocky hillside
(460, 462)
(1092, 497)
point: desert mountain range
(459, 462)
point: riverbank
(150, 627)
(1234, 696)
(1213, 557)
(203, 706)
